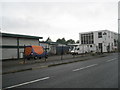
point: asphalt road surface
(96, 73)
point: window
(87, 38)
(115, 42)
(90, 45)
(99, 34)
(104, 33)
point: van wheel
(35, 57)
(46, 56)
(28, 58)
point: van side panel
(38, 49)
(28, 51)
(35, 51)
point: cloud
(58, 20)
(22, 23)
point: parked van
(81, 49)
(35, 52)
(76, 50)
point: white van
(80, 49)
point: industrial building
(13, 45)
(98, 41)
(49, 46)
(54, 48)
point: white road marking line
(111, 60)
(85, 67)
(27, 82)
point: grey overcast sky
(58, 18)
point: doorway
(100, 47)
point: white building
(13, 45)
(98, 41)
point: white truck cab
(80, 49)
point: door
(100, 47)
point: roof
(76, 44)
(97, 31)
(51, 43)
(20, 36)
(48, 40)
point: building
(98, 41)
(72, 46)
(54, 48)
(13, 44)
(49, 46)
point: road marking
(111, 60)
(85, 67)
(27, 82)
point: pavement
(13, 66)
(99, 72)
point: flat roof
(97, 31)
(52, 43)
(20, 36)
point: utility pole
(24, 55)
(45, 53)
(62, 52)
(118, 46)
(17, 47)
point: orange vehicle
(35, 52)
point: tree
(61, 41)
(48, 40)
(77, 41)
(70, 41)
(58, 40)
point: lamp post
(118, 46)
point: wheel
(46, 56)
(28, 58)
(35, 57)
(39, 57)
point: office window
(87, 38)
(99, 34)
(90, 45)
(115, 42)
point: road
(96, 73)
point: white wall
(0, 48)
(21, 50)
(9, 41)
(9, 53)
(79, 38)
(24, 41)
(105, 40)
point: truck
(35, 52)
(81, 49)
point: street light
(118, 36)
